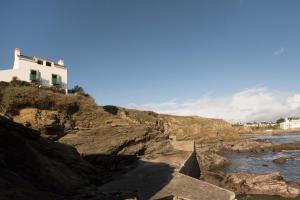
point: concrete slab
(160, 178)
(190, 188)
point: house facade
(41, 71)
(290, 123)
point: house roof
(39, 58)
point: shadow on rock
(32, 167)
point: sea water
(261, 163)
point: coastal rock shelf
(252, 166)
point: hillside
(76, 120)
(56, 146)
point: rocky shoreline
(65, 147)
(211, 164)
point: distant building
(36, 70)
(290, 123)
(252, 124)
(260, 124)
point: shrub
(111, 109)
(77, 89)
(16, 82)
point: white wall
(290, 124)
(6, 75)
(23, 66)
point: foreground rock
(211, 161)
(120, 140)
(246, 183)
(35, 168)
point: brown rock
(280, 160)
(268, 184)
(211, 161)
(289, 146)
(199, 128)
(32, 167)
(251, 146)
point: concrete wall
(191, 167)
(182, 145)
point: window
(34, 76)
(48, 64)
(40, 62)
(33, 72)
(56, 79)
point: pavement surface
(160, 178)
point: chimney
(17, 52)
(61, 62)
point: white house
(290, 122)
(36, 70)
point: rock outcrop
(124, 140)
(288, 146)
(199, 128)
(68, 142)
(269, 184)
(250, 146)
(36, 168)
(246, 183)
(76, 120)
(211, 161)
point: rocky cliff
(77, 120)
(56, 146)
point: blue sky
(145, 54)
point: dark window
(40, 62)
(34, 75)
(48, 64)
(54, 76)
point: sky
(232, 59)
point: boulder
(211, 161)
(280, 160)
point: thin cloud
(252, 104)
(279, 51)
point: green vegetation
(18, 94)
(76, 88)
(280, 120)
